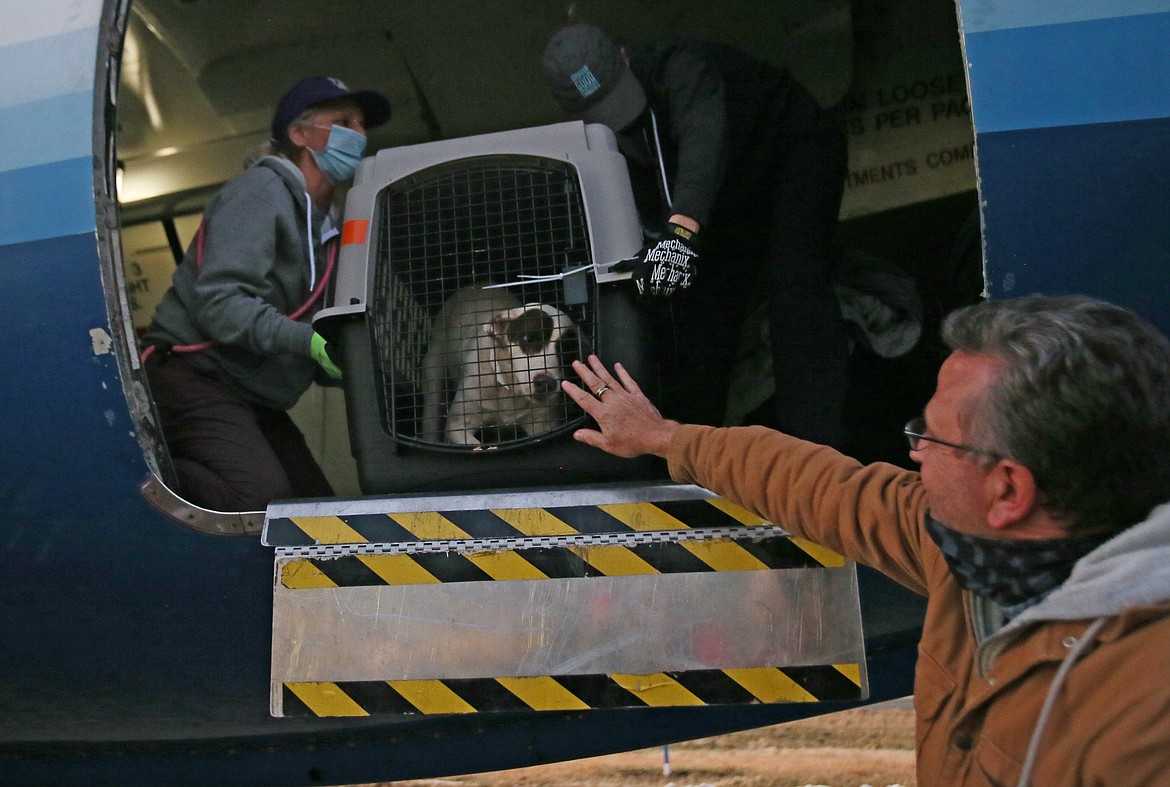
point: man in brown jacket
(1035, 527)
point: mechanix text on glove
(667, 265)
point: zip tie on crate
(538, 279)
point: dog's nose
(545, 385)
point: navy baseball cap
(588, 76)
(311, 91)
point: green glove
(321, 356)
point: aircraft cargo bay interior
(198, 82)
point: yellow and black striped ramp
(504, 522)
(756, 549)
(574, 692)
(643, 588)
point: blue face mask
(343, 152)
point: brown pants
(229, 454)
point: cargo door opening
(196, 82)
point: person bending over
(738, 175)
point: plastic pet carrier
(472, 272)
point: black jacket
(719, 112)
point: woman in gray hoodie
(231, 347)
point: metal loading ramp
(608, 597)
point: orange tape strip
(354, 231)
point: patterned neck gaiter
(1014, 574)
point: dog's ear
(584, 346)
(573, 345)
(531, 331)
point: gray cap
(590, 79)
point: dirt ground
(861, 747)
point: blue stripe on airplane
(980, 16)
(48, 67)
(47, 131)
(47, 201)
(1045, 232)
(1069, 74)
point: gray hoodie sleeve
(254, 268)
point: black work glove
(667, 264)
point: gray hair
(283, 146)
(1083, 402)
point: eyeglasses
(914, 434)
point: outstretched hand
(629, 423)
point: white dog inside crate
(504, 360)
